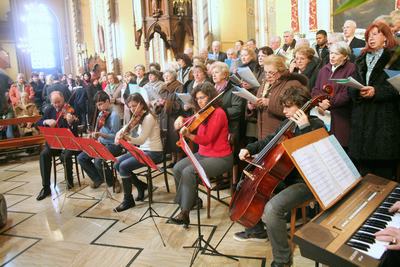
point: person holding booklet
(339, 104)
(375, 120)
(214, 154)
(296, 191)
(149, 140)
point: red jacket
(212, 135)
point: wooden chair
(231, 176)
(217, 189)
(293, 213)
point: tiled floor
(86, 233)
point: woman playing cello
(214, 155)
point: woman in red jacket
(214, 155)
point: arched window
(42, 38)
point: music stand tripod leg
(197, 245)
(150, 210)
(66, 185)
(106, 192)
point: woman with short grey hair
(339, 67)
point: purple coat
(340, 102)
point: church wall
(86, 26)
(233, 22)
(283, 15)
(129, 55)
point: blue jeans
(274, 217)
(125, 166)
(95, 170)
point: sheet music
(350, 82)
(248, 76)
(185, 97)
(245, 94)
(195, 162)
(327, 168)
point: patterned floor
(87, 231)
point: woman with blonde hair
(113, 89)
(306, 63)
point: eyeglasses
(201, 98)
(271, 73)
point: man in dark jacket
(349, 29)
(321, 47)
(54, 117)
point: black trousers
(46, 159)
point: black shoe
(200, 201)
(180, 219)
(245, 236)
(45, 192)
(70, 185)
(126, 204)
(141, 188)
(171, 165)
(222, 184)
(278, 264)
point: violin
(133, 122)
(101, 120)
(260, 178)
(197, 119)
(65, 110)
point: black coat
(323, 54)
(375, 122)
(356, 43)
(51, 113)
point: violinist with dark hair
(148, 139)
(107, 125)
(214, 155)
(59, 115)
(296, 191)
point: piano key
(365, 235)
(375, 224)
(382, 217)
(390, 200)
(369, 229)
(375, 251)
(363, 238)
(384, 211)
(358, 244)
(377, 221)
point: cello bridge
(251, 176)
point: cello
(263, 174)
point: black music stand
(147, 161)
(61, 139)
(97, 150)
(198, 243)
